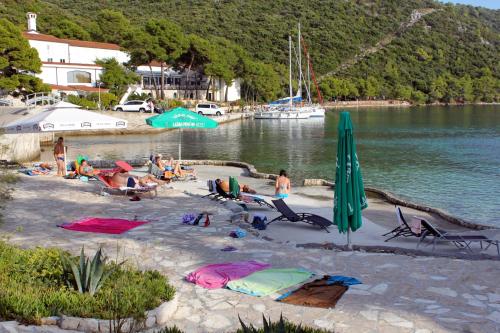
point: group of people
(124, 178)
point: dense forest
(418, 50)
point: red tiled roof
(77, 88)
(70, 64)
(72, 42)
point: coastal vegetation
(36, 283)
(420, 50)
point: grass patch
(32, 286)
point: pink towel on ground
(218, 275)
(102, 225)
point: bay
(444, 157)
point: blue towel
(343, 280)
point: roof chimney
(31, 22)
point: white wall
(51, 50)
(85, 55)
(58, 74)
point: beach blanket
(320, 293)
(268, 281)
(343, 280)
(102, 225)
(218, 275)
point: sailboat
(287, 108)
(284, 108)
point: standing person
(59, 156)
(282, 185)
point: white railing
(43, 98)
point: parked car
(134, 106)
(209, 109)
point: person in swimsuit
(282, 186)
(125, 179)
(86, 169)
(59, 156)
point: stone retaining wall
(252, 172)
(154, 318)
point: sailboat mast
(290, 70)
(299, 89)
(308, 80)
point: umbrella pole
(65, 166)
(349, 245)
(180, 145)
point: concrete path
(400, 293)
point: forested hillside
(418, 50)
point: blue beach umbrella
(350, 196)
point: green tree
(170, 43)
(68, 29)
(17, 59)
(115, 76)
(112, 27)
(143, 50)
(438, 88)
(486, 88)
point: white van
(209, 109)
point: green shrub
(33, 286)
(282, 326)
(173, 103)
(135, 96)
(83, 102)
(107, 99)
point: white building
(186, 84)
(68, 65)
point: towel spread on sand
(343, 280)
(319, 293)
(268, 281)
(218, 275)
(102, 225)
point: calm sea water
(445, 157)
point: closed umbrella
(350, 196)
(180, 118)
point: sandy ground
(400, 293)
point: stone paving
(399, 294)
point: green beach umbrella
(180, 118)
(350, 196)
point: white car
(135, 106)
(209, 109)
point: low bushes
(83, 102)
(281, 326)
(33, 285)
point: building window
(175, 95)
(79, 77)
(62, 60)
(177, 81)
(49, 59)
(169, 80)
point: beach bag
(259, 222)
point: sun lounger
(212, 189)
(104, 185)
(403, 229)
(287, 214)
(234, 188)
(461, 241)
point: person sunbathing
(125, 179)
(224, 185)
(86, 169)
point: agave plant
(88, 276)
(270, 327)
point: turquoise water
(445, 157)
